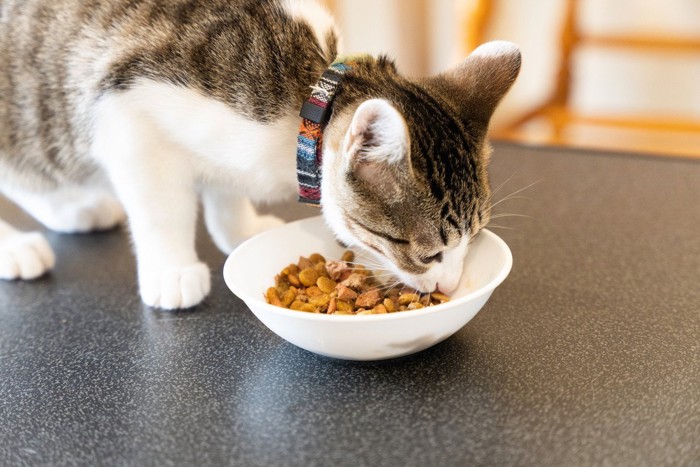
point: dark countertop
(588, 354)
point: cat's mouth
(393, 275)
(443, 278)
(428, 285)
(423, 285)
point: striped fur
(151, 93)
(57, 57)
(445, 199)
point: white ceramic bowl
(251, 269)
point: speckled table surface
(588, 354)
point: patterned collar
(315, 114)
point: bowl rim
(246, 297)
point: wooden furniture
(556, 122)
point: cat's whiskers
(499, 215)
(373, 270)
(499, 227)
(367, 269)
(500, 186)
(388, 286)
(512, 196)
(371, 261)
(378, 276)
(362, 265)
(361, 259)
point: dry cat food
(343, 287)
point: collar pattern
(315, 114)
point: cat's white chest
(255, 159)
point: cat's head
(404, 173)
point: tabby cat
(138, 109)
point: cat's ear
(479, 83)
(376, 146)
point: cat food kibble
(315, 285)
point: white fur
(23, 255)
(71, 209)
(27, 255)
(231, 219)
(444, 275)
(315, 16)
(387, 126)
(495, 49)
(256, 160)
(161, 145)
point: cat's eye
(429, 259)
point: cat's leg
(231, 219)
(71, 209)
(23, 255)
(154, 181)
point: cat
(137, 109)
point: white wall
(426, 36)
(392, 27)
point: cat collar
(315, 114)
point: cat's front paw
(174, 288)
(25, 255)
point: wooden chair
(673, 136)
